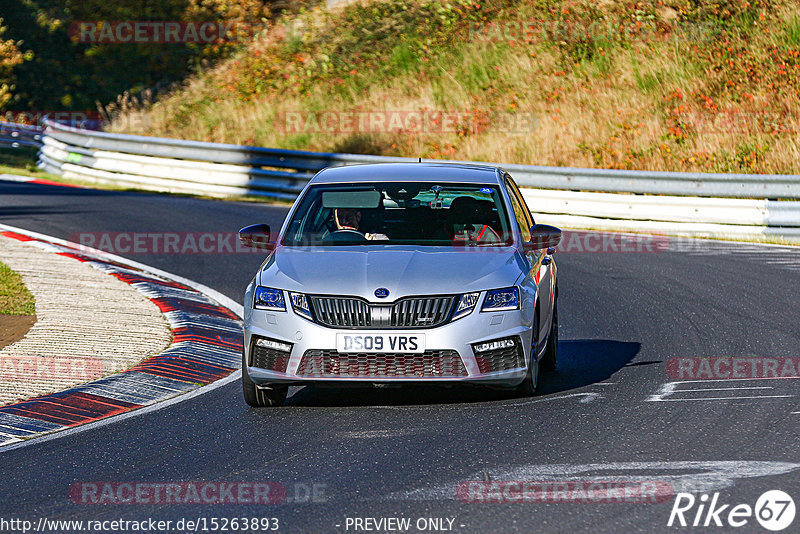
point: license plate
(357, 342)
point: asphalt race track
(608, 412)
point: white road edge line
(234, 306)
(722, 398)
(585, 398)
(16, 178)
(723, 389)
(736, 379)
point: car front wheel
(528, 386)
(261, 396)
(550, 358)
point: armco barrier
(20, 135)
(720, 204)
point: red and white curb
(32, 180)
(205, 351)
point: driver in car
(350, 219)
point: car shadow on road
(581, 363)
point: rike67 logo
(774, 510)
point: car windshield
(416, 213)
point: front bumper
(307, 337)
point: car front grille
(501, 359)
(269, 359)
(350, 312)
(429, 364)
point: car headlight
(267, 298)
(501, 299)
(466, 304)
(300, 305)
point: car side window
(521, 212)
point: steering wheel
(346, 234)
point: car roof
(409, 172)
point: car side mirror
(543, 236)
(256, 236)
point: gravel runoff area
(89, 324)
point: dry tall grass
(679, 96)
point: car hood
(404, 271)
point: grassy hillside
(689, 85)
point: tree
(69, 73)
(10, 57)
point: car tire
(550, 358)
(261, 396)
(528, 386)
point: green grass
(15, 299)
(22, 162)
(792, 32)
(19, 161)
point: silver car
(402, 273)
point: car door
(542, 272)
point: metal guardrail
(720, 204)
(20, 135)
